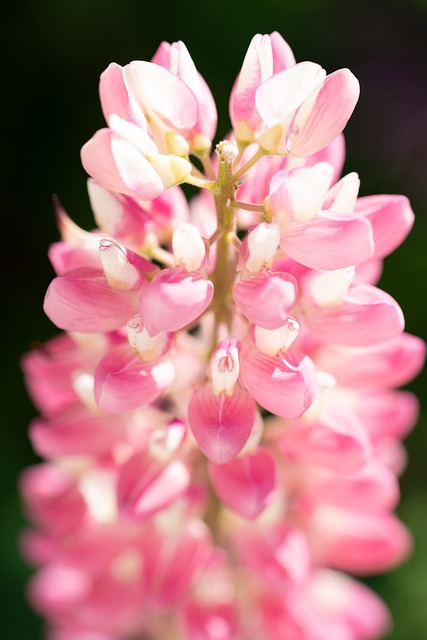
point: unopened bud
(188, 247)
(263, 242)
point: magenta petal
(245, 484)
(146, 486)
(333, 107)
(221, 424)
(284, 387)
(266, 298)
(366, 316)
(82, 300)
(391, 218)
(173, 299)
(329, 241)
(124, 382)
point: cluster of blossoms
(220, 423)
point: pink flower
(221, 427)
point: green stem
(225, 269)
(250, 163)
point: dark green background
(53, 54)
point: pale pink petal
(266, 298)
(81, 300)
(157, 89)
(391, 218)
(333, 154)
(282, 94)
(329, 241)
(115, 98)
(366, 316)
(221, 424)
(118, 165)
(332, 108)
(145, 485)
(257, 66)
(124, 382)
(176, 58)
(285, 387)
(173, 299)
(283, 56)
(245, 484)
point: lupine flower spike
(219, 419)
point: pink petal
(48, 375)
(363, 613)
(52, 498)
(173, 299)
(372, 488)
(124, 382)
(358, 542)
(221, 424)
(210, 621)
(278, 555)
(256, 64)
(389, 364)
(81, 300)
(266, 298)
(366, 316)
(146, 485)
(284, 387)
(333, 154)
(124, 169)
(391, 218)
(77, 431)
(329, 241)
(332, 109)
(177, 59)
(245, 484)
(336, 442)
(281, 95)
(115, 97)
(387, 413)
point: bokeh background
(53, 54)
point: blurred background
(54, 52)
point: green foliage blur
(53, 54)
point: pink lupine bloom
(220, 424)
